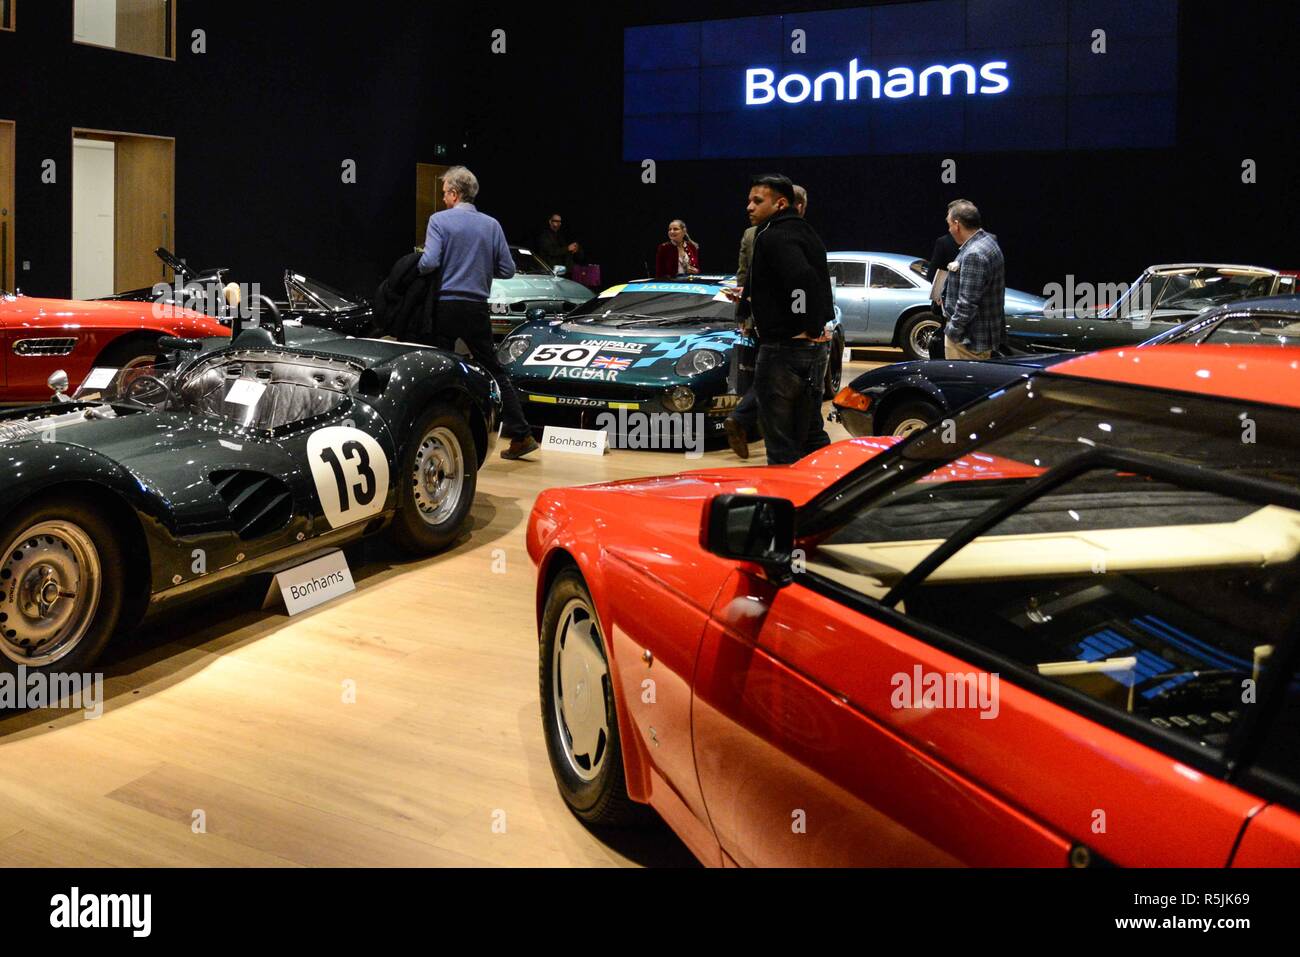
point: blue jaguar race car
(900, 398)
(648, 346)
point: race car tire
(834, 368)
(916, 331)
(579, 720)
(61, 586)
(437, 476)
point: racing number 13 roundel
(350, 470)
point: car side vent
(258, 503)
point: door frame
(169, 40)
(9, 255)
(81, 132)
(438, 204)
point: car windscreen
(656, 304)
(141, 381)
(526, 264)
(323, 295)
(1211, 286)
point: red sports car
(1059, 628)
(40, 336)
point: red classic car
(40, 336)
(1058, 628)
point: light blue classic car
(884, 299)
(535, 285)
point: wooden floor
(226, 740)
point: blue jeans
(788, 380)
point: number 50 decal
(350, 470)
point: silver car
(884, 300)
(534, 285)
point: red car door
(798, 765)
(804, 760)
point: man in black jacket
(789, 296)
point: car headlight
(697, 361)
(513, 348)
(680, 399)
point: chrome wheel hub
(922, 333)
(578, 677)
(439, 476)
(51, 580)
(908, 426)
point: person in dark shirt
(790, 299)
(743, 421)
(552, 246)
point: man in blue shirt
(468, 249)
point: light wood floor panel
(240, 712)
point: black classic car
(901, 398)
(232, 457)
(307, 301)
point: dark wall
(263, 121)
(286, 92)
(544, 125)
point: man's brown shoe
(736, 437)
(520, 447)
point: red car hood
(25, 312)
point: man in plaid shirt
(974, 297)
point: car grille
(588, 389)
(44, 347)
(258, 503)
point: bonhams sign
(988, 79)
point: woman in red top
(680, 256)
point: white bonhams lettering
(762, 86)
(134, 911)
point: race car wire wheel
(51, 579)
(579, 675)
(439, 475)
(919, 336)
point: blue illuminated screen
(942, 75)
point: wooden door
(7, 138)
(428, 196)
(145, 26)
(144, 210)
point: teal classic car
(884, 300)
(649, 346)
(534, 286)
